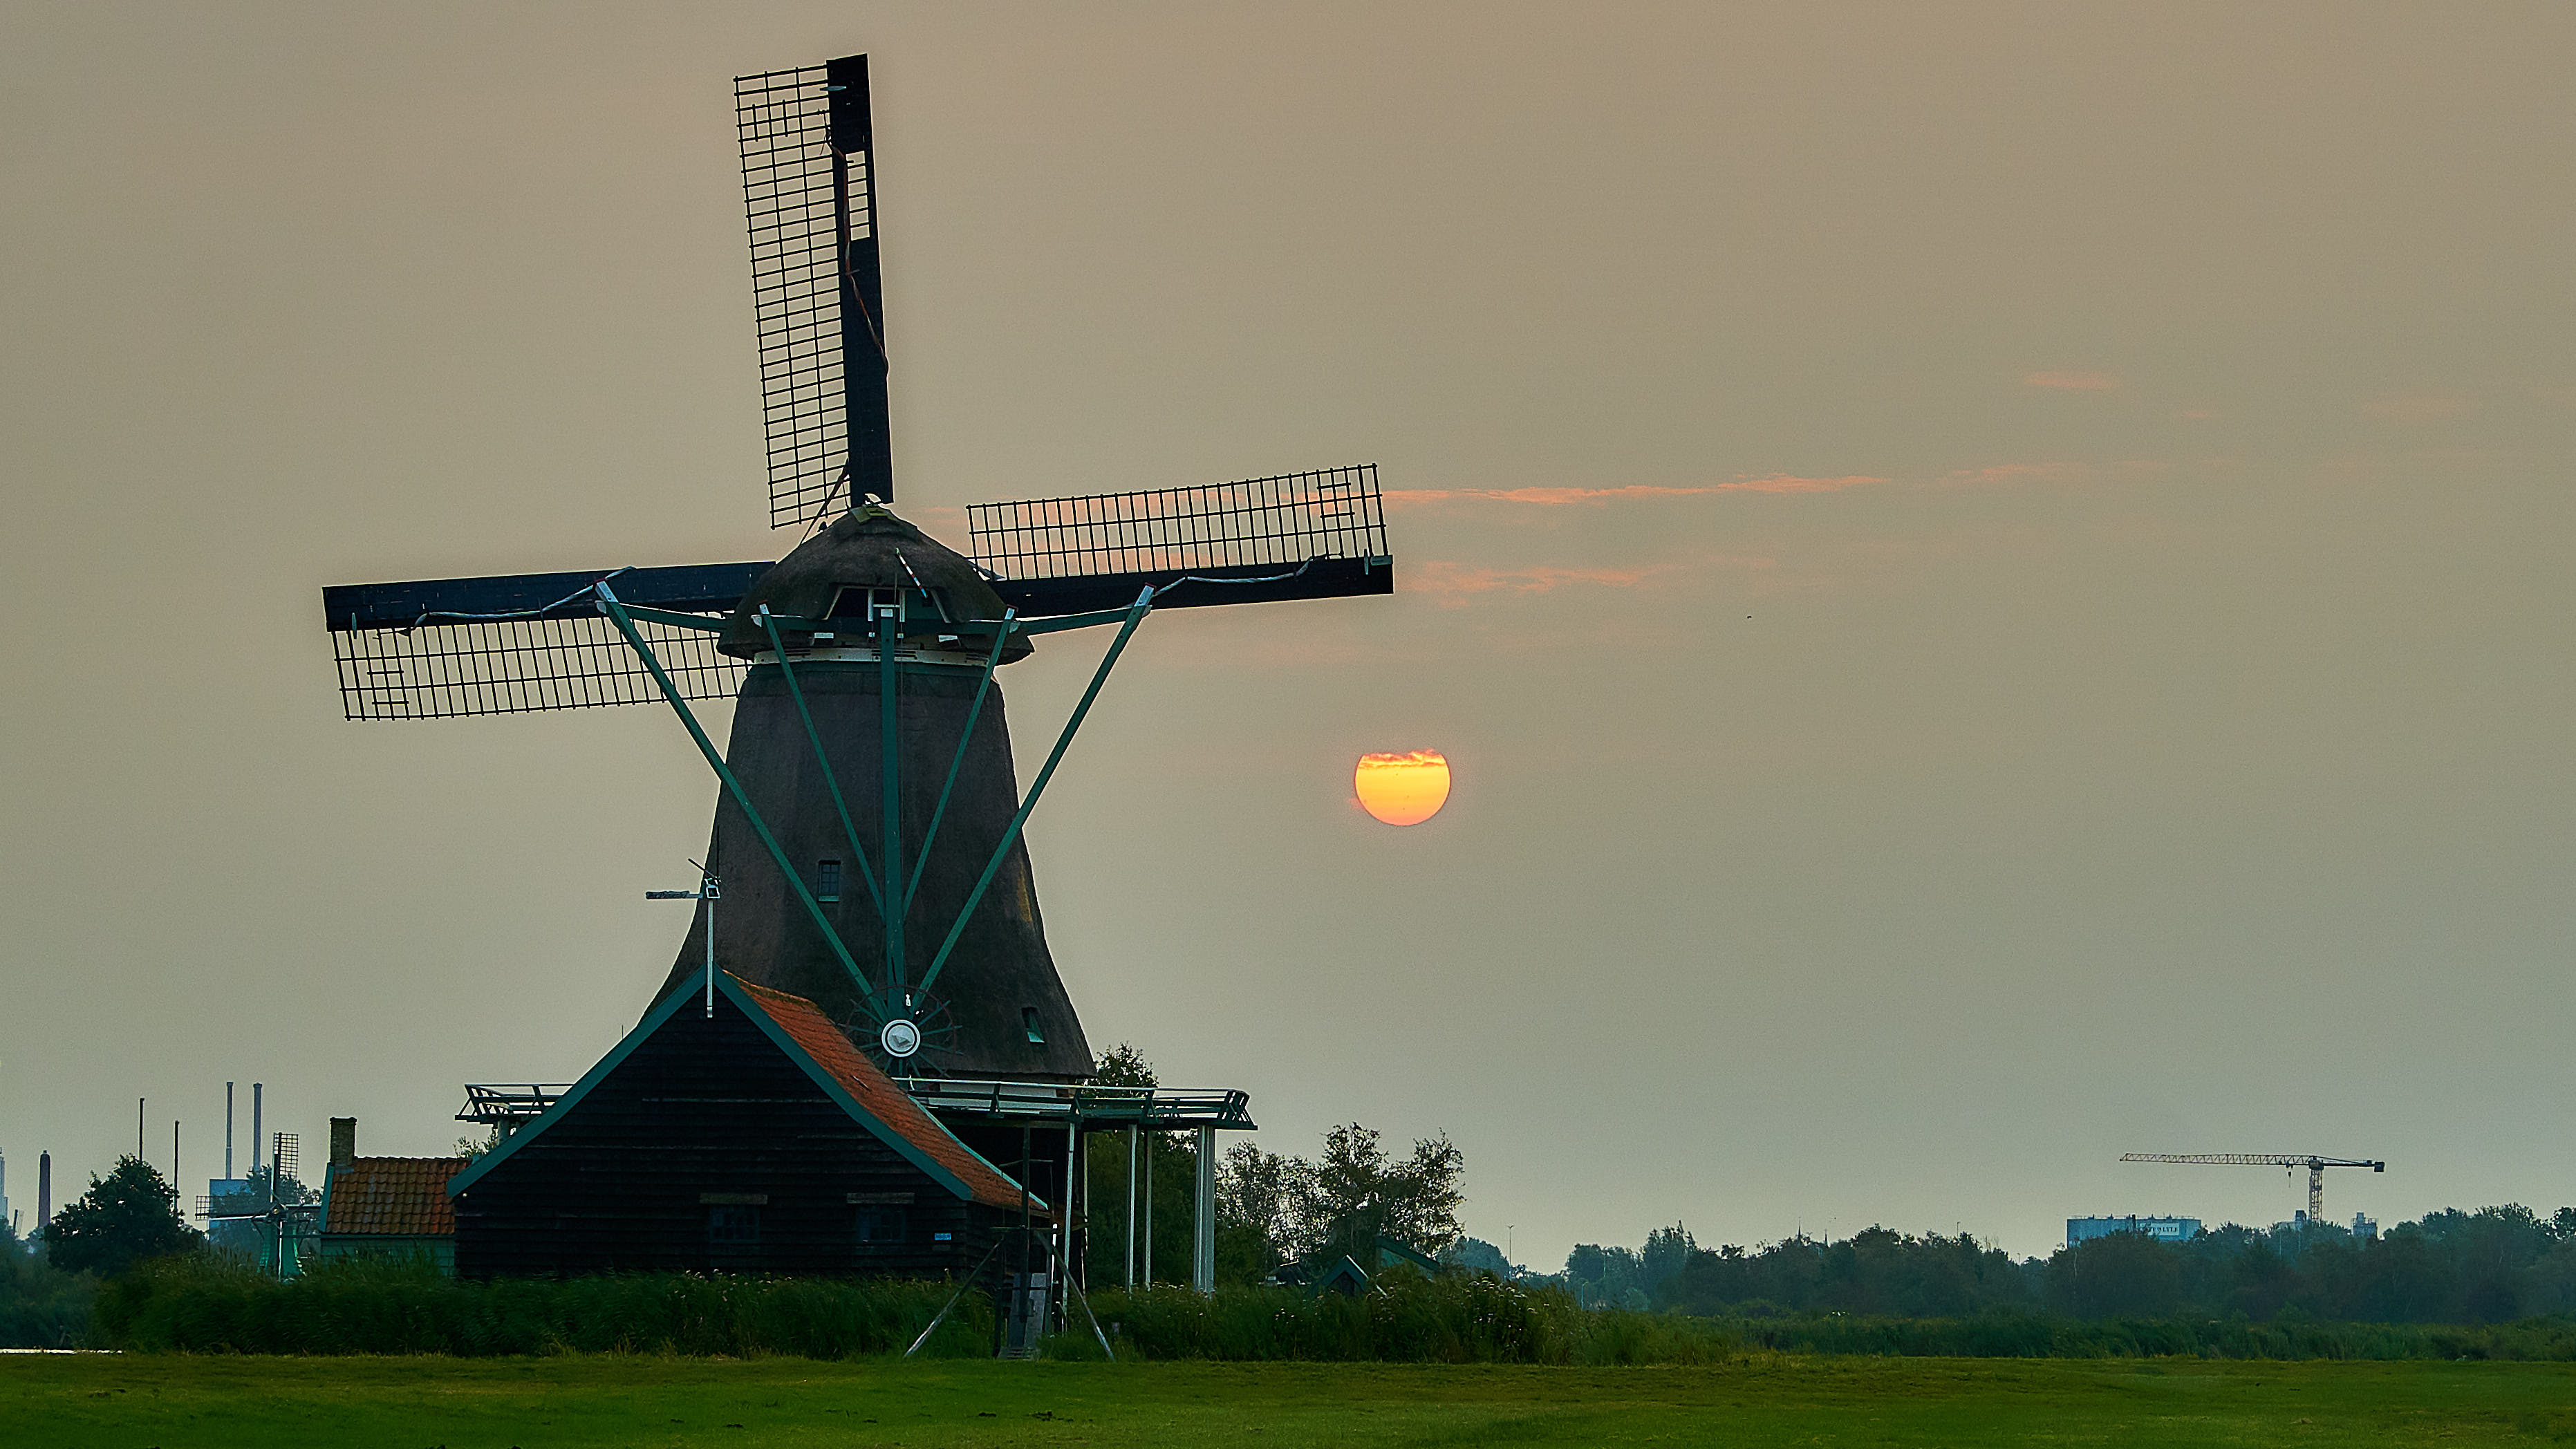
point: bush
(1455, 1318)
(40, 1305)
(204, 1304)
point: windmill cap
(866, 548)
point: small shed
(745, 1136)
(390, 1207)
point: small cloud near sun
(2073, 381)
(1406, 788)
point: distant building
(2163, 1230)
(2364, 1227)
(386, 1207)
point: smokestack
(254, 1129)
(44, 1190)
(138, 1129)
(228, 1131)
(344, 1141)
(174, 1152)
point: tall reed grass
(1451, 1319)
(204, 1304)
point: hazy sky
(1994, 577)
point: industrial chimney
(44, 1190)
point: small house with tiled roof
(747, 1135)
(386, 1207)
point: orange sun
(1404, 789)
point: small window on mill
(733, 1225)
(1029, 1024)
(827, 881)
(881, 1224)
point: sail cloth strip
(1333, 513)
(809, 197)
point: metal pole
(255, 1090)
(1131, 1208)
(174, 1155)
(890, 781)
(707, 893)
(1149, 1210)
(1066, 1217)
(228, 1131)
(1203, 1255)
(138, 1129)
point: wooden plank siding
(703, 1119)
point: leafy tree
(1665, 1251)
(124, 1218)
(1123, 1066)
(1358, 1194)
(1478, 1256)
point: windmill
(289, 1217)
(868, 826)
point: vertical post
(889, 757)
(44, 1190)
(138, 1129)
(1149, 1212)
(174, 1156)
(1203, 1250)
(254, 1128)
(228, 1131)
(1131, 1207)
(1073, 1195)
(707, 893)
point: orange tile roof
(402, 1197)
(876, 1093)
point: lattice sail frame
(519, 666)
(1331, 513)
(809, 198)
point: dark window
(1029, 1024)
(827, 880)
(732, 1225)
(881, 1223)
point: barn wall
(709, 1113)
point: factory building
(2163, 1230)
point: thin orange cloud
(2073, 381)
(1597, 497)
(1790, 483)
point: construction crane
(2315, 1165)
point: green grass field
(180, 1402)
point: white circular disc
(901, 1038)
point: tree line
(2490, 1265)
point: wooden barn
(745, 1137)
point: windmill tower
(868, 829)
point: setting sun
(1404, 789)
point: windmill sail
(809, 193)
(1315, 535)
(510, 644)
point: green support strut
(1135, 615)
(831, 781)
(974, 712)
(626, 626)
